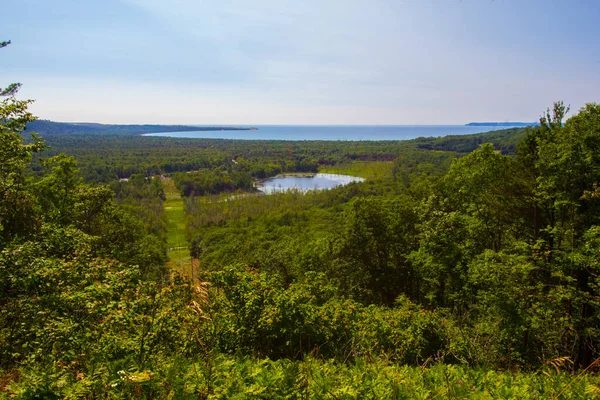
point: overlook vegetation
(462, 268)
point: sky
(250, 62)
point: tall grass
(371, 170)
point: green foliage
(104, 158)
(205, 182)
(470, 277)
(226, 377)
(16, 205)
(505, 140)
(495, 247)
(59, 303)
(145, 199)
(257, 314)
(373, 248)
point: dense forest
(463, 267)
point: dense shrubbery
(144, 197)
(82, 282)
(225, 377)
(62, 304)
(257, 314)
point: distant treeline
(109, 157)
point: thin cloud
(379, 61)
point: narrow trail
(178, 247)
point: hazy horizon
(383, 62)
(226, 124)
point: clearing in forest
(178, 247)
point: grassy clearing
(371, 170)
(178, 246)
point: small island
(507, 124)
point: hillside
(505, 140)
(137, 267)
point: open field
(178, 250)
(370, 170)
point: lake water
(305, 183)
(335, 132)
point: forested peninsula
(505, 124)
(45, 128)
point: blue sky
(301, 62)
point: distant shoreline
(507, 124)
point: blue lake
(335, 132)
(305, 183)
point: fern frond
(558, 364)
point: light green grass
(371, 170)
(175, 223)
(177, 243)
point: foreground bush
(224, 377)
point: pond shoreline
(304, 181)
